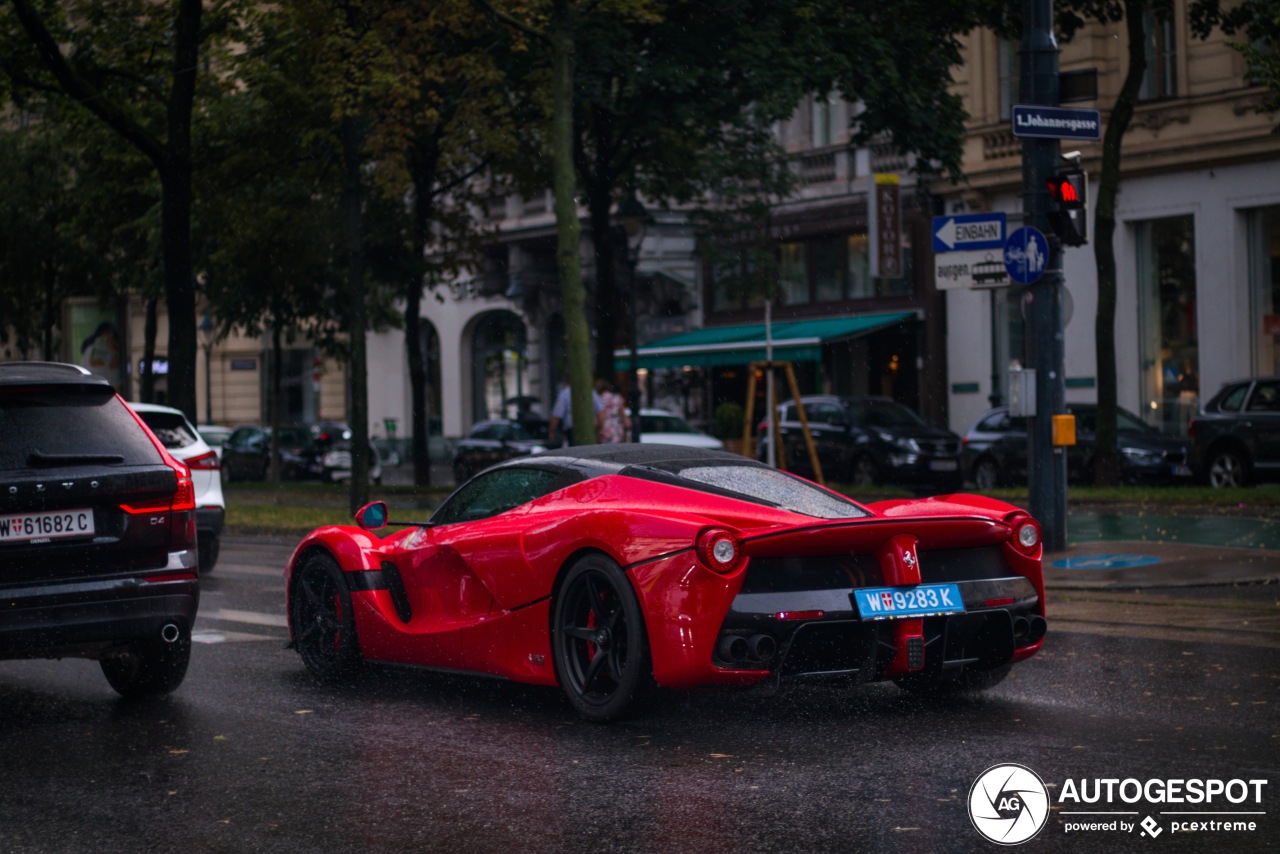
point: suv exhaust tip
(170, 633)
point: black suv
(1236, 435)
(868, 440)
(995, 450)
(98, 554)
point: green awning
(794, 340)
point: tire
(986, 474)
(321, 619)
(227, 476)
(933, 684)
(598, 640)
(208, 548)
(1228, 468)
(149, 668)
(864, 471)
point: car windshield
(43, 427)
(294, 437)
(762, 485)
(883, 413)
(664, 424)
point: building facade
(1197, 239)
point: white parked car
(186, 444)
(662, 426)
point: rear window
(173, 430)
(69, 425)
(759, 485)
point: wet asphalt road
(250, 755)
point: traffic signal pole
(1047, 465)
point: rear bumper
(210, 520)
(89, 618)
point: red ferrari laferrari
(607, 569)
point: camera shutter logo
(1008, 804)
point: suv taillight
(181, 508)
(204, 462)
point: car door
(1261, 417)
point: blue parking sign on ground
(1026, 254)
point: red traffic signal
(1069, 211)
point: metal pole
(995, 397)
(634, 366)
(208, 384)
(1047, 485)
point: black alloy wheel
(323, 624)
(865, 472)
(598, 640)
(986, 474)
(1228, 469)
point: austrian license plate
(46, 525)
(923, 600)
(944, 465)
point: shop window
(793, 273)
(1169, 343)
(1264, 287)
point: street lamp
(206, 329)
(634, 220)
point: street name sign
(965, 232)
(1057, 122)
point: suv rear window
(74, 422)
(170, 428)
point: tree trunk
(1106, 468)
(358, 376)
(147, 370)
(568, 228)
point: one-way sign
(963, 232)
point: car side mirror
(372, 516)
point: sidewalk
(1127, 551)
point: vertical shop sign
(885, 226)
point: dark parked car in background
(867, 440)
(98, 552)
(995, 449)
(1236, 435)
(319, 451)
(493, 441)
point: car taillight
(1191, 428)
(719, 550)
(1026, 533)
(181, 507)
(204, 462)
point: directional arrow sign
(963, 232)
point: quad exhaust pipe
(759, 648)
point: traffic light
(1069, 211)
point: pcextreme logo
(1009, 804)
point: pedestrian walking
(612, 422)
